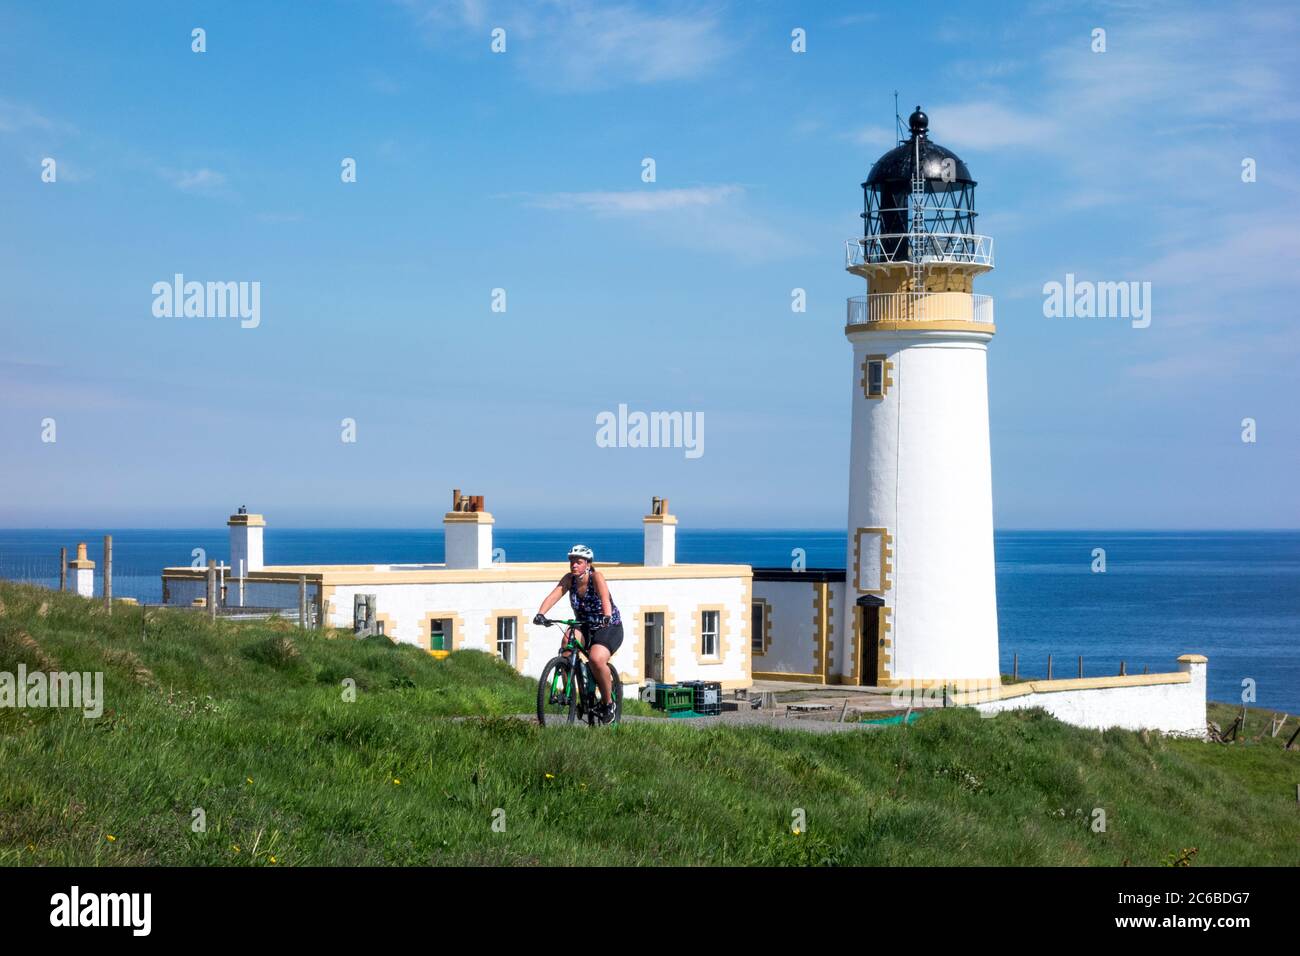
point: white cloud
(585, 45)
(711, 219)
(195, 180)
(18, 116)
(989, 124)
(1148, 138)
(385, 84)
(277, 218)
(1181, 86)
(635, 201)
(879, 137)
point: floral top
(587, 607)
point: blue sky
(522, 171)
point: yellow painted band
(939, 325)
(468, 517)
(1009, 691)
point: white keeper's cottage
(680, 621)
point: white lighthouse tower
(921, 608)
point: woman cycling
(602, 627)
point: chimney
(467, 532)
(83, 572)
(245, 542)
(660, 535)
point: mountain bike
(567, 689)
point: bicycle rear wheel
(557, 693)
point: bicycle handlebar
(593, 625)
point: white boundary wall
(1138, 702)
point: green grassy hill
(249, 723)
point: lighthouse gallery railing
(895, 249)
(920, 307)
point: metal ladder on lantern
(916, 227)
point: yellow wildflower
(111, 838)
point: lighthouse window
(869, 560)
(875, 378)
(506, 639)
(756, 628)
(440, 634)
(709, 633)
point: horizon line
(438, 529)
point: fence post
(1122, 669)
(1081, 665)
(1015, 667)
(63, 569)
(1049, 666)
(108, 572)
(302, 601)
(212, 589)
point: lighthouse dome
(896, 165)
(893, 210)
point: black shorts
(611, 636)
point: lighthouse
(922, 607)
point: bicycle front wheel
(557, 693)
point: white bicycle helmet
(581, 551)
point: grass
(249, 724)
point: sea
(1233, 596)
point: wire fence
(236, 600)
(144, 585)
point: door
(869, 640)
(654, 646)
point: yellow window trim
(697, 626)
(886, 553)
(521, 635)
(886, 377)
(457, 629)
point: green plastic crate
(674, 699)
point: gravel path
(738, 718)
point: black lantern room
(939, 203)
